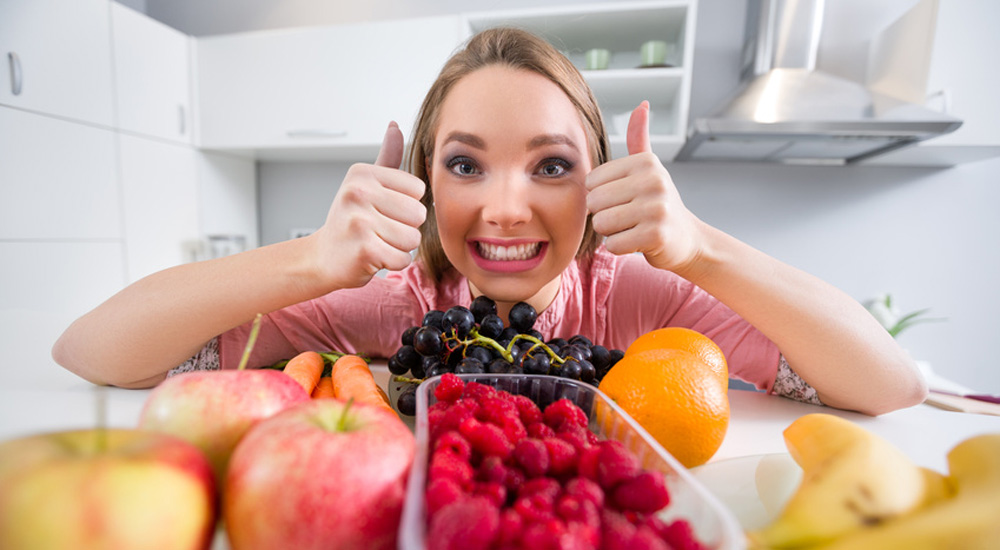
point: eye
(462, 166)
(555, 167)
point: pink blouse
(611, 299)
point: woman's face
(508, 169)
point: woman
(511, 194)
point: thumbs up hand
(374, 220)
(636, 206)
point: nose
(506, 200)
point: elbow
(909, 391)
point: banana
(969, 520)
(851, 479)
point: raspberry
(477, 391)
(647, 539)
(527, 409)
(544, 535)
(468, 524)
(491, 490)
(616, 531)
(496, 410)
(513, 429)
(562, 456)
(451, 417)
(511, 527)
(491, 468)
(545, 486)
(564, 411)
(680, 535)
(540, 430)
(586, 464)
(441, 492)
(534, 508)
(449, 388)
(445, 464)
(453, 442)
(615, 463)
(575, 435)
(575, 509)
(646, 492)
(533, 456)
(486, 439)
(586, 489)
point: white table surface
(757, 420)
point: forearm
(158, 322)
(827, 337)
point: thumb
(391, 153)
(637, 135)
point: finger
(399, 181)
(399, 236)
(614, 220)
(391, 153)
(401, 208)
(637, 135)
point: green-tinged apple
(214, 409)
(325, 474)
(108, 488)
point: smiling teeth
(508, 253)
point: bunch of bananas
(858, 491)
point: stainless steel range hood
(787, 111)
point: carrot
(324, 388)
(352, 379)
(306, 369)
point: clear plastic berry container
(713, 525)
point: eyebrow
(551, 139)
(473, 140)
(466, 138)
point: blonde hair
(516, 49)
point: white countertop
(757, 420)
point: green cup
(597, 59)
(653, 54)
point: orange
(684, 339)
(675, 397)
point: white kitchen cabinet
(324, 92)
(160, 195)
(961, 83)
(57, 58)
(621, 28)
(58, 179)
(152, 76)
(227, 201)
(46, 285)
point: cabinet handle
(15, 73)
(181, 120)
(316, 133)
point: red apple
(325, 474)
(105, 489)
(213, 409)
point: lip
(512, 266)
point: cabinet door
(58, 179)
(57, 58)
(46, 285)
(228, 196)
(320, 87)
(161, 204)
(152, 73)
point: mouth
(507, 257)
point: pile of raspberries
(503, 474)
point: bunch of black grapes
(474, 340)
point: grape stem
(407, 380)
(485, 341)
